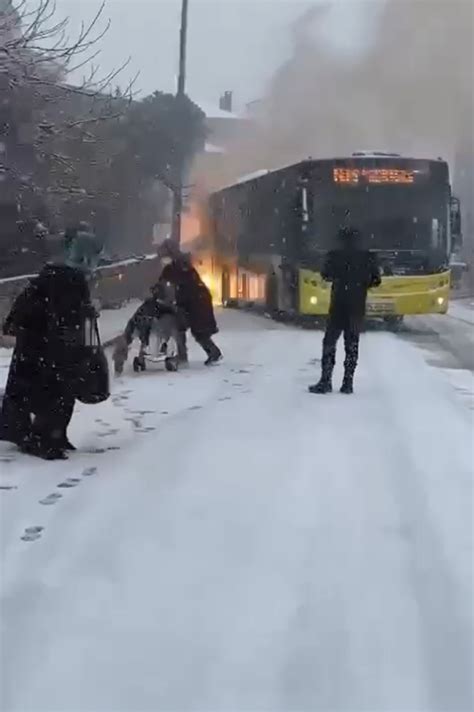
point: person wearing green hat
(47, 320)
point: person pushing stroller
(194, 302)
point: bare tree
(38, 50)
(50, 113)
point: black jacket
(49, 313)
(192, 297)
(47, 320)
(352, 272)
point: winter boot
(215, 357)
(348, 384)
(46, 452)
(67, 445)
(214, 354)
(324, 386)
(325, 383)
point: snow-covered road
(243, 546)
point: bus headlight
(313, 300)
(440, 301)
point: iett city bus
(272, 231)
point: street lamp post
(180, 94)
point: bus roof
(356, 156)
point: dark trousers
(205, 342)
(208, 345)
(144, 330)
(338, 324)
(182, 346)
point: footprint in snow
(51, 499)
(89, 471)
(118, 400)
(32, 533)
(195, 407)
(70, 482)
(225, 398)
(135, 422)
(8, 488)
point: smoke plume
(410, 90)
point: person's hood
(349, 238)
(83, 251)
(169, 251)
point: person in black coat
(194, 301)
(47, 320)
(352, 271)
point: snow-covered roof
(212, 148)
(213, 111)
(251, 176)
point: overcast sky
(233, 44)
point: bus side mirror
(455, 219)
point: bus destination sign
(360, 176)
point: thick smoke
(410, 91)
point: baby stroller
(156, 324)
(163, 347)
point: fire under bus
(271, 233)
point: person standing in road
(352, 271)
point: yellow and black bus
(271, 233)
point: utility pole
(180, 94)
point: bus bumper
(396, 296)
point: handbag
(93, 381)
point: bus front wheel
(393, 323)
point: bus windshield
(393, 217)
